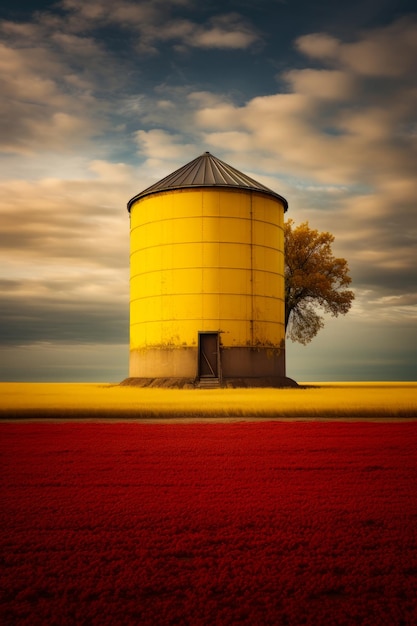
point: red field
(193, 524)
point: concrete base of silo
(252, 362)
(183, 362)
(237, 367)
(166, 362)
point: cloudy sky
(101, 98)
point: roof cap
(206, 171)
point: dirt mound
(169, 383)
(192, 383)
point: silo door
(208, 355)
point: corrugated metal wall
(207, 260)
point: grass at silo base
(113, 401)
(242, 523)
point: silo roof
(206, 171)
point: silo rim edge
(261, 192)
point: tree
(314, 278)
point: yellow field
(315, 400)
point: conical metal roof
(206, 171)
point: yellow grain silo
(207, 279)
